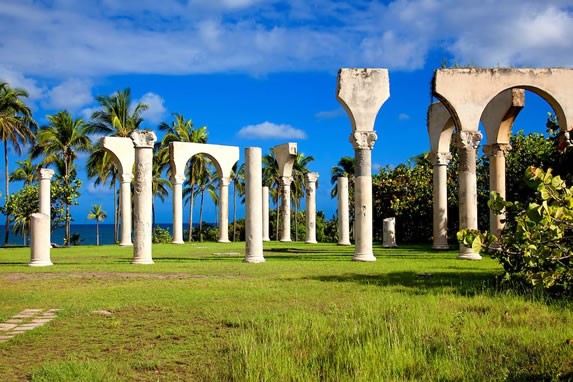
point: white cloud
(269, 130)
(71, 95)
(18, 80)
(156, 110)
(330, 114)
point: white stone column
(468, 142)
(440, 193)
(143, 141)
(224, 210)
(496, 154)
(285, 229)
(45, 175)
(266, 214)
(40, 243)
(389, 233)
(125, 208)
(177, 183)
(363, 142)
(253, 206)
(311, 179)
(343, 213)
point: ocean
(87, 234)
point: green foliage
(536, 244)
(161, 235)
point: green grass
(308, 313)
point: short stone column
(496, 154)
(285, 208)
(343, 213)
(266, 214)
(177, 183)
(143, 141)
(224, 209)
(253, 206)
(40, 243)
(125, 208)
(440, 193)
(311, 179)
(389, 233)
(467, 143)
(45, 176)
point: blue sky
(269, 66)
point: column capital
(179, 179)
(286, 180)
(440, 159)
(468, 139)
(311, 177)
(497, 149)
(363, 140)
(126, 178)
(143, 138)
(45, 173)
(225, 181)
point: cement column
(440, 192)
(363, 142)
(468, 142)
(311, 179)
(253, 206)
(177, 183)
(45, 175)
(40, 243)
(496, 154)
(343, 213)
(125, 208)
(266, 214)
(285, 229)
(224, 210)
(143, 141)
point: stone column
(45, 175)
(253, 206)
(285, 208)
(125, 208)
(311, 179)
(266, 214)
(177, 183)
(224, 210)
(389, 233)
(363, 142)
(40, 243)
(496, 154)
(468, 142)
(343, 214)
(143, 141)
(440, 192)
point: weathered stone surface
(311, 179)
(343, 213)
(389, 233)
(253, 206)
(40, 242)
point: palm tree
(345, 167)
(297, 189)
(159, 186)
(182, 130)
(204, 183)
(16, 127)
(60, 142)
(272, 179)
(26, 171)
(238, 181)
(98, 215)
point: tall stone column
(496, 154)
(343, 213)
(266, 214)
(440, 190)
(177, 183)
(363, 142)
(253, 206)
(468, 142)
(143, 141)
(125, 208)
(224, 210)
(311, 179)
(285, 208)
(45, 176)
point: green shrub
(161, 235)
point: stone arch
(223, 158)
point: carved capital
(466, 140)
(311, 177)
(126, 178)
(363, 140)
(497, 149)
(45, 173)
(143, 138)
(440, 159)
(179, 179)
(286, 181)
(225, 181)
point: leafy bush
(161, 235)
(536, 244)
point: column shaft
(440, 196)
(125, 208)
(253, 206)
(343, 213)
(363, 204)
(285, 229)
(40, 243)
(496, 154)
(266, 214)
(224, 211)
(311, 178)
(177, 211)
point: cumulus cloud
(71, 95)
(156, 110)
(19, 80)
(269, 130)
(330, 114)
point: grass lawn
(308, 314)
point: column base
(440, 247)
(223, 241)
(311, 242)
(266, 239)
(389, 246)
(142, 261)
(343, 243)
(177, 242)
(364, 257)
(254, 260)
(126, 244)
(285, 240)
(40, 263)
(468, 254)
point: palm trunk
(7, 227)
(201, 217)
(97, 232)
(191, 202)
(234, 212)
